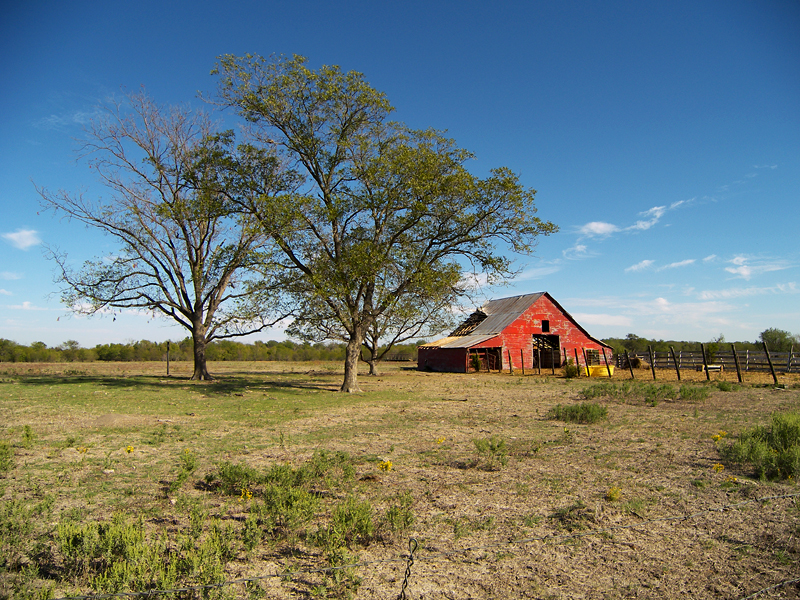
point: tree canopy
(183, 252)
(378, 212)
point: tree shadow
(223, 385)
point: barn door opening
(549, 350)
(486, 359)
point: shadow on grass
(224, 385)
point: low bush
(570, 370)
(773, 451)
(584, 412)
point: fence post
(585, 361)
(677, 368)
(652, 361)
(167, 358)
(630, 366)
(789, 360)
(736, 360)
(705, 361)
(522, 360)
(539, 360)
(577, 362)
(769, 359)
(605, 358)
(510, 366)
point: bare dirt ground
(635, 506)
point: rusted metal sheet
(501, 313)
(459, 341)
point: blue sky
(662, 137)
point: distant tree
(183, 253)
(378, 209)
(778, 340)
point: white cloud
(538, 272)
(603, 319)
(676, 265)
(25, 306)
(709, 258)
(577, 252)
(745, 267)
(5, 292)
(652, 217)
(781, 288)
(23, 238)
(9, 275)
(598, 229)
(641, 266)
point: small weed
(613, 494)
(574, 516)
(494, 450)
(28, 437)
(6, 457)
(399, 516)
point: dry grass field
(117, 478)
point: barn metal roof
(501, 313)
(459, 341)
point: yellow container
(599, 370)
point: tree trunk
(373, 366)
(199, 344)
(353, 354)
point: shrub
(570, 369)
(231, 478)
(584, 412)
(494, 450)
(773, 451)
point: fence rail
(749, 360)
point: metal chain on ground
(436, 555)
(412, 547)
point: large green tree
(779, 340)
(183, 252)
(379, 210)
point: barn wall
(450, 360)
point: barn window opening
(593, 357)
(545, 326)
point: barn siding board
(514, 321)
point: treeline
(224, 350)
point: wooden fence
(749, 360)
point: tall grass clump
(585, 412)
(772, 450)
(693, 393)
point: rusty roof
(458, 341)
(501, 313)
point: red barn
(533, 330)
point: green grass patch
(585, 412)
(773, 450)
